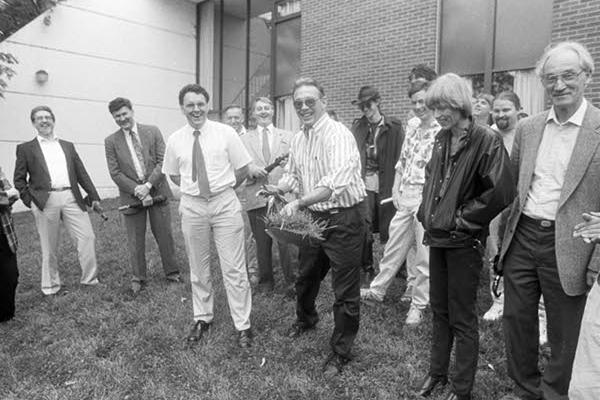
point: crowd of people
(463, 182)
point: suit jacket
(281, 145)
(580, 193)
(122, 169)
(32, 178)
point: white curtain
(530, 90)
(286, 115)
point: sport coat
(580, 193)
(281, 145)
(32, 178)
(122, 169)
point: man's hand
(12, 193)
(589, 230)
(290, 208)
(255, 172)
(590, 277)
(141, 191)
(97, 207)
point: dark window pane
(287, 55)
(523, 30)
(464, 36)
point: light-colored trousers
(223, 215)
(62, 205)
(585, 380)
(406, 232)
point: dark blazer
(580, 193)
(32, 178)
(389, 145)
(122, 169)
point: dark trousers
(160, 224)
(341, 251)
(264, 245)
(530, 271)
(454, 278)
(378, 218)
(9, 277)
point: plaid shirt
(6, 223)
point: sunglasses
(310, 103)
(365, 106)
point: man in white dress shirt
(207, 160)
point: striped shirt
(326, 156)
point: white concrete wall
(93, 51)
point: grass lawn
(102, 343)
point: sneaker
(494, 313)
(414, 316)
(369, 297)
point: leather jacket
(464, 192)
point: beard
(502, 123)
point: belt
(60, 189)
(336, 210)
(541, 223)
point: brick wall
(579, 20)
(337, 53)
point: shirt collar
(320, 122)
(134, 129)
(42, 139)
(575, 119)
(190, 129)
(269, 128)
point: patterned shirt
(326, 156)
(6, 223)
(416, 151)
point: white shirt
(508, 138)
(56, 161)
(223, 153)
(551, 164)
(136, 162)
(270, 135)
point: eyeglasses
(310, 103)
(262, 108)
(567, 77)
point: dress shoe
(175, 278)
(333, 366)
(200, 328)
(429, 384)
(245, 338)
(298, 329)
(454, 396)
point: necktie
(199, 168)
(265, 145)
(137, 147)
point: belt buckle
(545, 223)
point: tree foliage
(14, 14)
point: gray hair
(585, 58)
(450, 91)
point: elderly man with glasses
(555, 157)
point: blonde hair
(450, 91)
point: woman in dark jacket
(468, 182)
